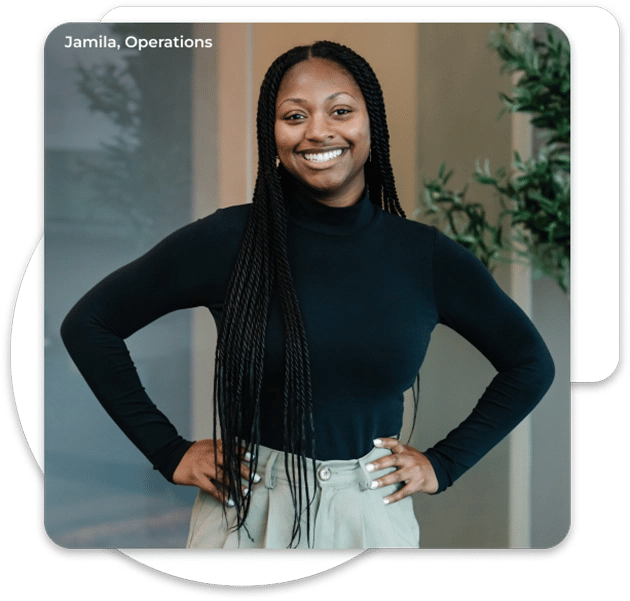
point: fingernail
(248, 456)
(386, 501)
(256, 478)
(377, 442)
(369, 467)
(374, 484)
(245, 491)
(230, 503)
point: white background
(594, 35)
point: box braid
(262, 266)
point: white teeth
(322, 157)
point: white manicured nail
(256, 478)
(248, 456)
(374, 484)
(386, 501)
(369, 467)
(378, 442)
(246, 491)
(230, 503)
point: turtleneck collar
(307, 212)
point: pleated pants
(346, 512)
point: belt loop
(364, 483)
(270, 472)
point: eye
(342, 112)
(293, 117)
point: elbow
(74, 329)
(534, 375)
(545, 370)
(548, 367)
(550, 370)
(68, 330)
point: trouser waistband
(332, 473)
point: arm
(167, 278)
(470, 302)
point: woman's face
(322, 130)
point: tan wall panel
(458, 103)
(233, 104)
(457, 123)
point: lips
(322, 156)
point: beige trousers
(346, 513)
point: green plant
(465, 222)
(535, 197)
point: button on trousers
(346, 512)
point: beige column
(235, 115)
(520, 511)
(221, 137)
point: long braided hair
(262, 266)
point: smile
(322, 157)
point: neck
(311, 213)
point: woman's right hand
(198, 468)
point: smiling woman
(324, 316)
(322, 131)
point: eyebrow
(303, 101)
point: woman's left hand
(412, 467)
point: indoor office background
(140, 143)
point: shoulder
(445, 252)
(449, 254)
(217, 235)
(226, 219)
(222, 228)
(408, 229)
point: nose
(318, 128)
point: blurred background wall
(441, 84)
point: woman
(325, 298)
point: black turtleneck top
(371, 286)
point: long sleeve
(470, 302)
(167, 278)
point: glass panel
(117, 180)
